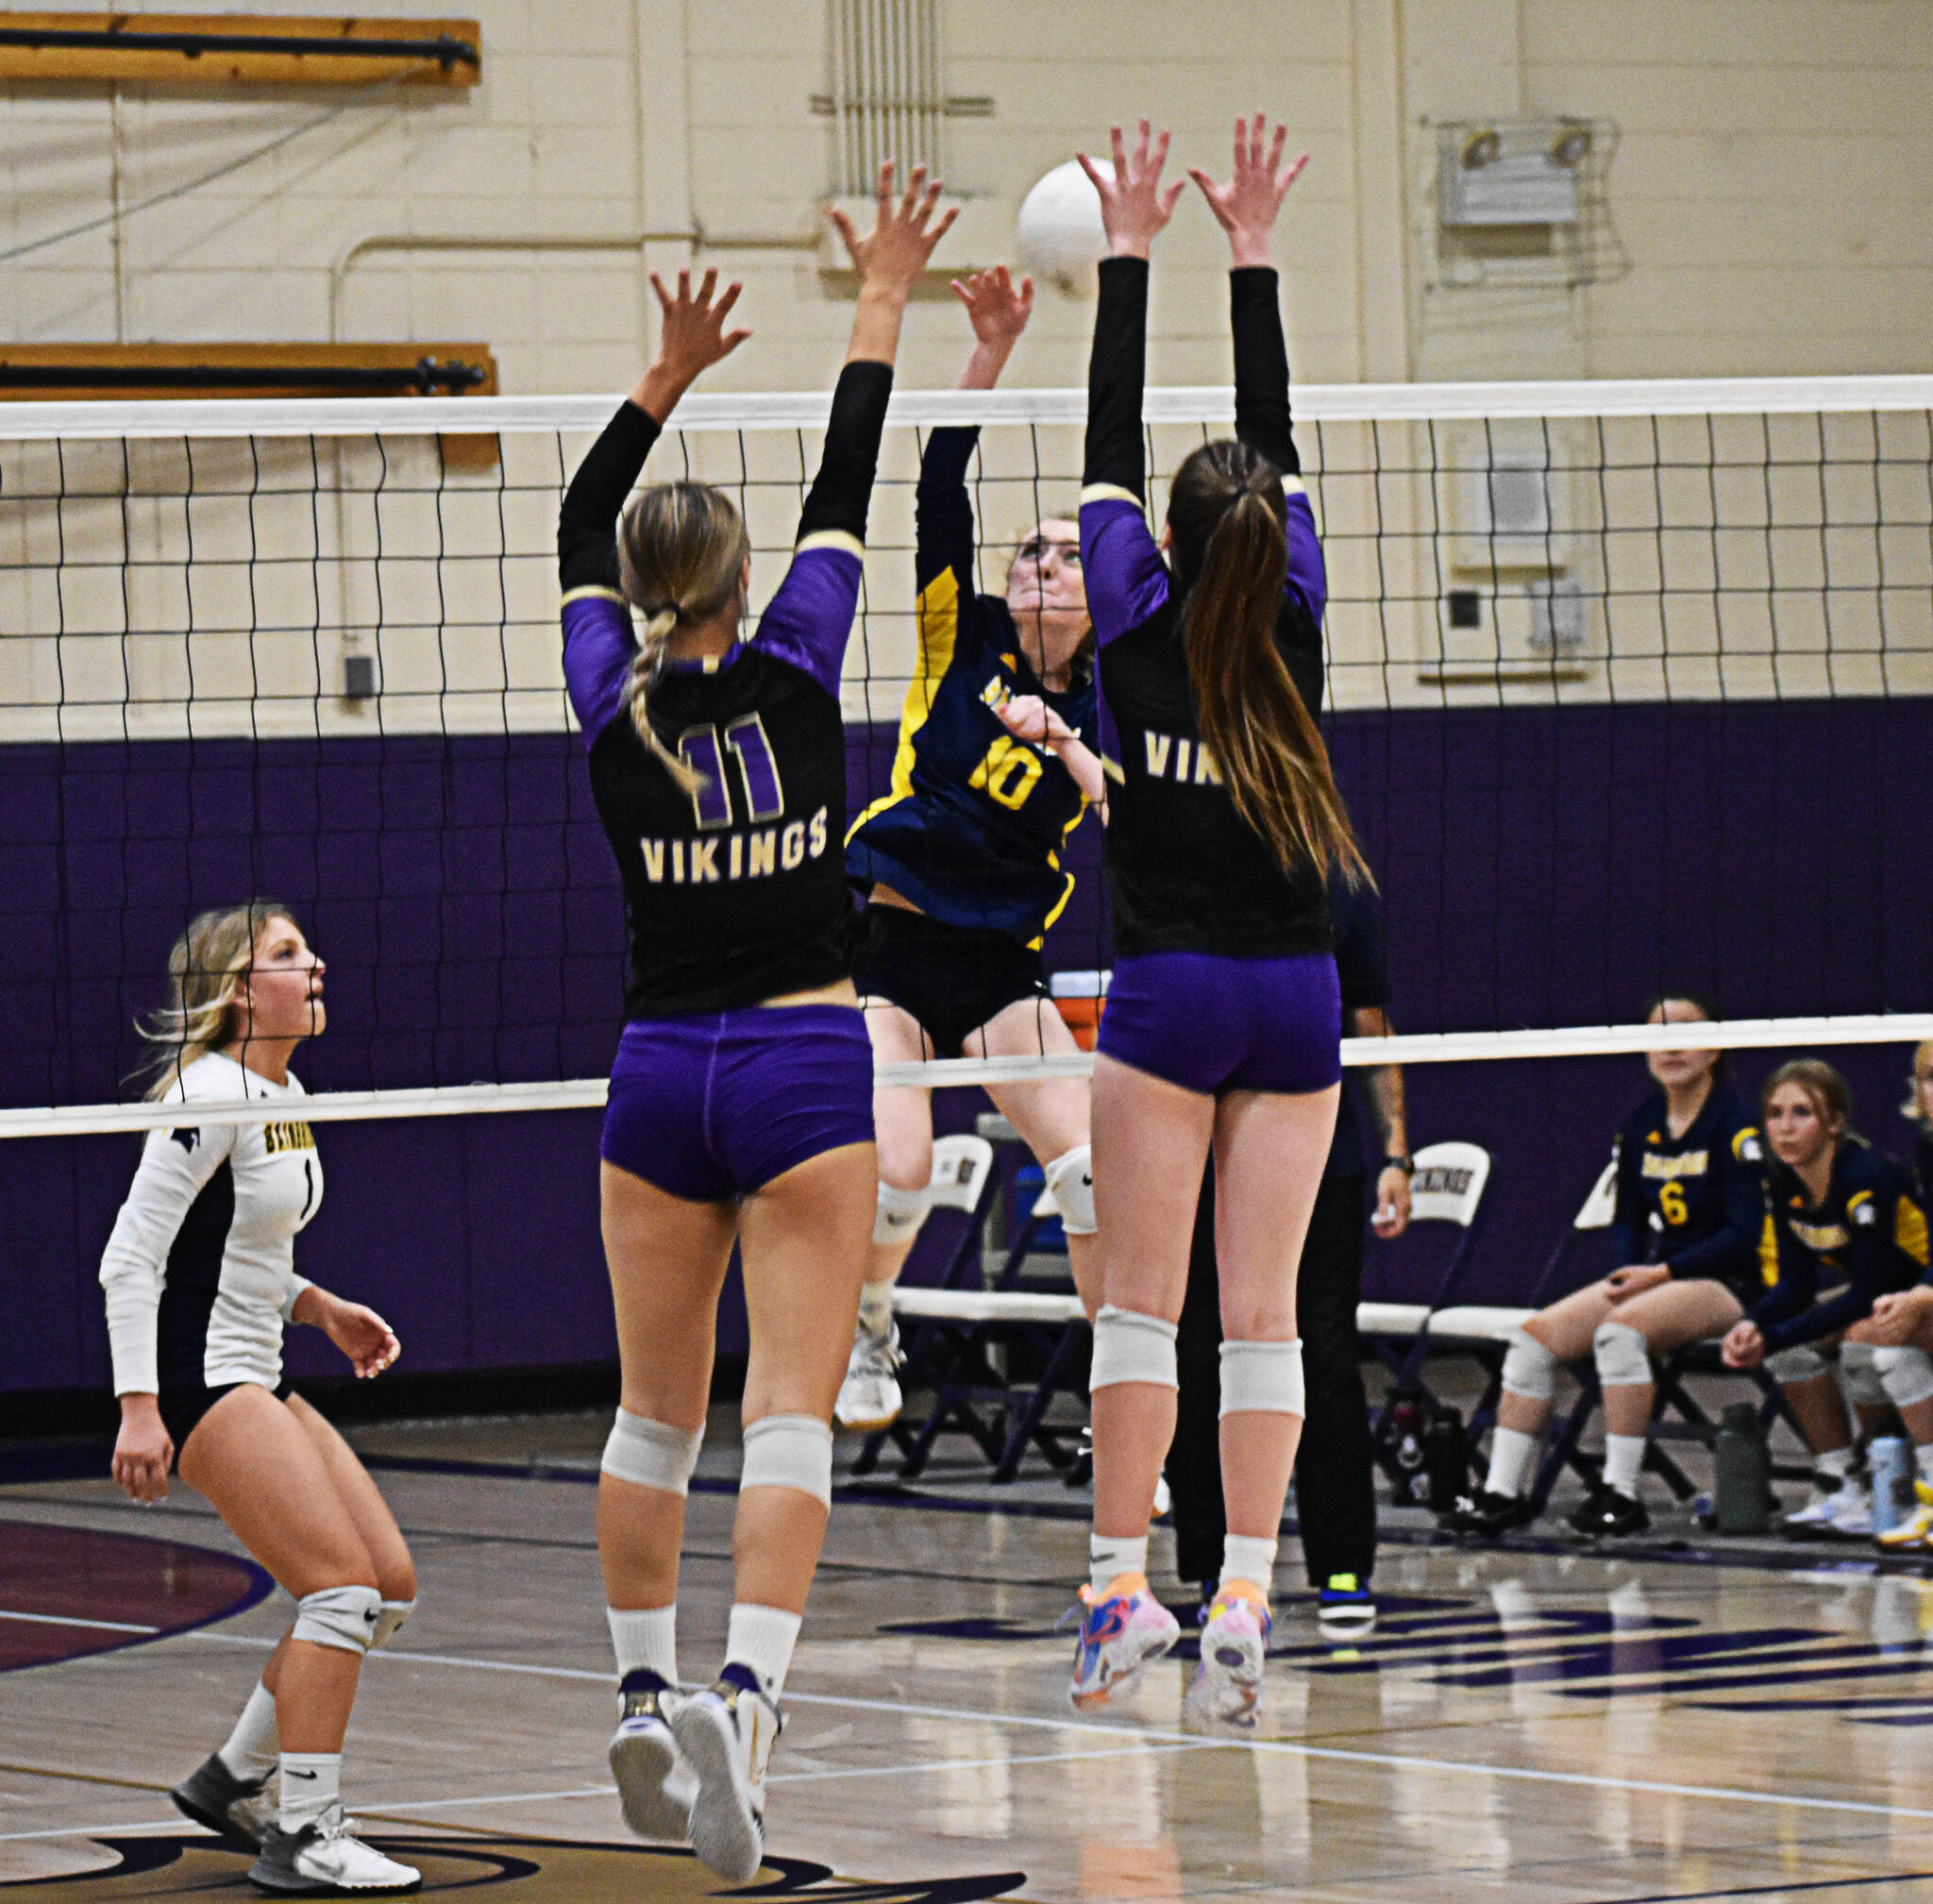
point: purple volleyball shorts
(716, 1105)
(1210, 1023)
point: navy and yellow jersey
(1868, 1234)
(1186, 872)
(973, 829)
(734, 893)
(1923, 1172)
(1695, 1202)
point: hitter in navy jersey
(1223, 1024)
(741, 1102)
(961, 858)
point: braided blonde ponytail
(681, 549)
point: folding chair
(960, 1326)
(1447, 1187)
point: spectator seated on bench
(1687, 1231)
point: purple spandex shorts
(1210, 1023)
(716, 1105)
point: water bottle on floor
(1742, 1466)
(1891, 1459)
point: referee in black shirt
(1335, 1477)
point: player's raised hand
(997, 307)
(1246, 204)
(892, 256)
(1028, 718)
(691, 338)
(1135, 205)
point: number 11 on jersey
(704, 750)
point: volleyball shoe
(1123, 1631)
(1915, 1533)
(655, 1787)
(1235, 1643)
(726, 1734)
(236, 1808)
(326, 1859)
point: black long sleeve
(587, 523)
(1261, 367)
(1117, 369)
(943, 510)
(841, 493)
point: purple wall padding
(1539, 867)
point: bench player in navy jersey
(200, 1281)
(741, 1100)
(1223, 1024)
(1846, 1223)
(961, 856)
(1688, 1236)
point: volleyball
(1059, 231)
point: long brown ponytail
(681, 549)
(1228, 519)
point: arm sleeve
(598, 641)
(1629, 1235)
(943, 510)
(1262, 421)
(1127, 580)
(841, 493)
(587, 523)
(296, 1285)
(174, 1167)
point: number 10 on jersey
(704, 750)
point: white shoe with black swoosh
(325, 1860)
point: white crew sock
(646, 1639)
(762, 1638)
(312, 1783)
(1924, 1455)
(1108, 1558)
(253, 1746)
(1250, 1557)
(1838, 1463)
(1623, 1458)
(876, 1308)
(1510, 1453)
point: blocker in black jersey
(1185, 871)
(735, 893)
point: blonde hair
(681, 549)
(1923, 1064)
(204, 970)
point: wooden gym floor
(1536, 1723)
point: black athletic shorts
(183, 1405)
(952, 979)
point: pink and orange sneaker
(1235, 1643)
(1122, 1629)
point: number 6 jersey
(737, 892)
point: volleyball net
(1630, 688)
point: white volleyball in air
(1059, 231)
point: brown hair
(1831, 1096)
(204, 970)
(1228, 518)
(681, 549)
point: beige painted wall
(1773, 191)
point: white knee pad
(1906, 1374)
(651, 1454)
(1801, 1364)
(1857, 1376)
(389, 1622)
(901, 1213)
(1130, 1347)
(1070, 1184)
(1529, 1368)
(1623, 1360)
(789, 1451)
(1262, 1379)
(342, 1617)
